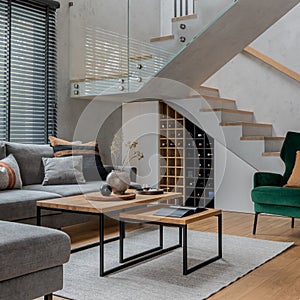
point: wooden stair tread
(162, 38)
(271, 154)
(141, 57)
(218, 99)
(208, 88)
(182, 18)
(210, 98)
(258, 138)
(229, 110)
(104, 77)
(245, 124)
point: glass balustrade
(117, 46)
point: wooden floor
(276, 279)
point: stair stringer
(235, 29)
(228, 136)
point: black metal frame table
(147, 215)
(79, 204)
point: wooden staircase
(229, 115)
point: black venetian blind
(27, 70)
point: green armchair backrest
(288, 152)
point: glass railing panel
(98, 52)
(201, 15)
(210, 15)
(144, 61)
(110, 47)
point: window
(27, 70)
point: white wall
(233, 181)
(274, 97)
(141, 124)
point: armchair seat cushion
(275, 195)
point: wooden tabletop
(81, 204)
(148, 214)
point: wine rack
(171, 149)
(186, 158)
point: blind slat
(32, 70)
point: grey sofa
(31, 257)
(19, 205)
(31, 261)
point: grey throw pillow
(10, 177)
(29, 158)
(63, 170)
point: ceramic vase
(119, 181)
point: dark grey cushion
(63, 170)
(2, 150)
(26, 248)
(29, 158)
(68, 189)
(20, 204)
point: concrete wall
(81, 119)
(87, 17)
(274, 97)
(87, 120)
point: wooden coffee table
(148, 215)
(79, 204)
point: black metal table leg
(121, 246)
(161, 236)
(136, 258)
(187, 270)
(144, 253)
(220, 235)
(184, 250)
(38, 216)
(180, 236)
(101, 242)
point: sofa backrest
(2, 150)
(288, 151)
(29, 158)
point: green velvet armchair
(269, 195)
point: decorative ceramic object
(119, 181)
(106, 190)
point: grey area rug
(161, 277)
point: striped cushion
(93, 168)
(10, 177)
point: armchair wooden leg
(255, 223)
(293, 222)
(48, 297)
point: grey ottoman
(31, 260)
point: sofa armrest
(129, 169)
(267, 179)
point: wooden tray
(97, 196)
